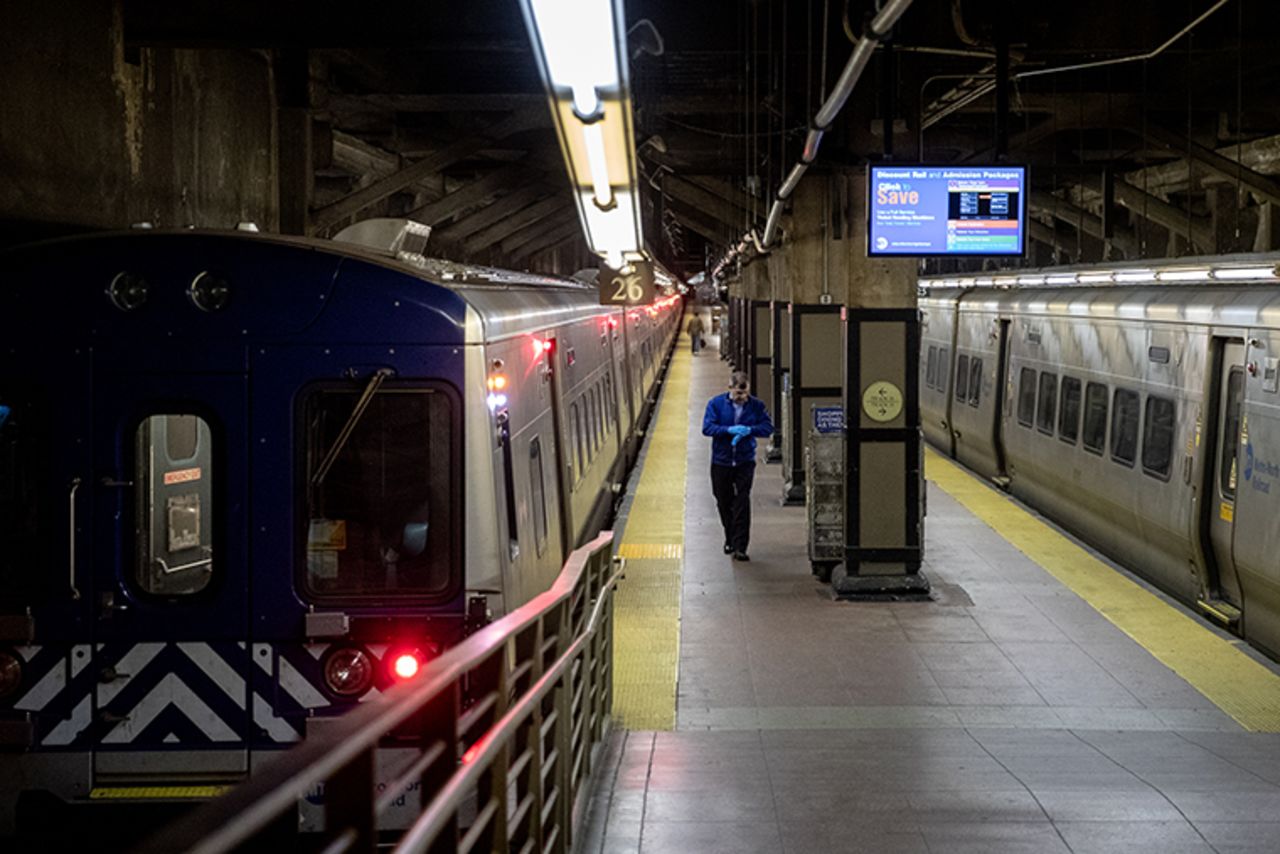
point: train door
(1229, 397)
(170, 577)
(562, 458)
(1000, 395)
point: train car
(249, 481)
(1144, 418)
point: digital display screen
(946, 210)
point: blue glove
(738, 431)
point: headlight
(348, 671)
(10, 673)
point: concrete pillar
(1233, 227)
(780, 364)
(731, 337)
(813, 238)
(757, 292)
(1267, 237)
(884, 484)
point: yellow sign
(882, 401)
(1227, 512)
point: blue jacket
(719, 418)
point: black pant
(731, 486)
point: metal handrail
(539, 683)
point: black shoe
(740, 556)
(728, 549)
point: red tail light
(406, 665)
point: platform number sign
(633, 287)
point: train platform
(1043, 700)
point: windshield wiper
(375, 382)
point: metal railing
(505, 723)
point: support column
(759, 328)
(884, 484)
(813, 321)
(731, 348)
(780, 366)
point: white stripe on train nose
(217, 669)
(171, 691)
(131, 664)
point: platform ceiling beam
(513, 243)
(451, 154)
(504, 206)
(509, 225)
(1196, 229)
(562, 233)
(1232, 170)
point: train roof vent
(394, 237)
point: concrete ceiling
(435, 110)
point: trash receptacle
(824, 489)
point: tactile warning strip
(1214, 666)
(633, 551)
(647, 606)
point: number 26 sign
(634, 287)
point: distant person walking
(733, 421)
(695, 330)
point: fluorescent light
(1060, 279)
(614, 233)
(598, 163)
(1198, 274)
(1135, 275)
(1094, 278)
(1031, 280)
(985, 280)
(967, 282)
(1239, 273)
(580, 44)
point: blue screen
(946, 210)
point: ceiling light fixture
(580, 46)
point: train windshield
(378, 489)
(20, 454)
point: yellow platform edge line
(646, 643)
(1244, 689)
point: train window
(1026, 397)
(611, 402)
(943, 376)
(1157, 436)
(1231, 433)
(509, 486)
(536, 476)
(931, 368)
(962, 377)
(1069, 410)
(174, 476)
(1124, 426)
(975, 381)
(597, 421)
(575, 442)
(380, 491)
(1095, 417)
(579, 439)
(1046, 405)
(22, 514)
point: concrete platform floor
(1007, 715)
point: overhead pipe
(880, 26)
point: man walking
(695, 329)
(733, 421)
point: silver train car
(247, 482)
(1144, 418)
